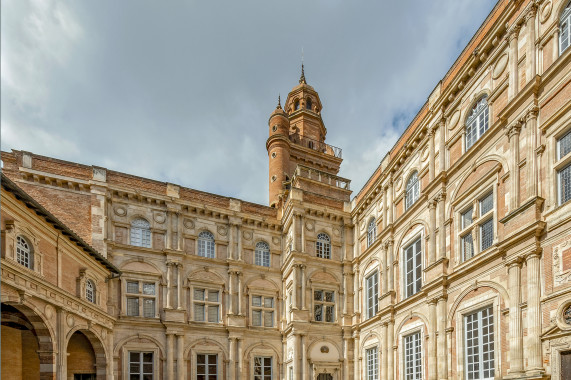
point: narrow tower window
(262, 254)
(141, 233)
(308, 104)
(24, 253)
(323, 246)
(90, 291)
(206, 244)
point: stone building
(452, 262)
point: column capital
(535, 254)
(432, 204)
(513, 129)
(514, 262)
(433, 301)
(532, 113)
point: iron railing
(319, 146)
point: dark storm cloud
(181, 91)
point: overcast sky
(181, 91)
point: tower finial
(279, 106)
(302, 78)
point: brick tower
(297, 140)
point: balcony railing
(319, 146)
(319, 176)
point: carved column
(356, 356)
(169, 229)
(441, 227)
(390, 351)
(180, 356)
(513, 59)
(179, 286)
(302, 226)
(513, 135)
(170, 356)
(179, 235)
(515, 330)
(231, 292)
(231, 243)
(384, 351)
(169, 270)
(346, 339)
(530, 52)
(442, 144)
(61, 368)
(385, 268)
(345, 292)
(240, 344)
(385, 207)
(431, 153)
(239, 242)
(294, 287)
(239, 293)
(532, 174)
(356, 298)
(432, 347)
(390, 201)
(232, 353)
(442, 346)
(556, 43)
(533, 354)
(297, 344)
(391, 265)
(432, 239)
(304, 372)
(303, 295)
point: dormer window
(308, 104)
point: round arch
(408, 317)
(406, 230)
(192, 345)
(473, 101)
(126, 340)
(369, 335)
(475, 286)
(99, 349)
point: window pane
(268, 302)
(486, 204)
(213, 295)
(487, 234)
(329, 314)
(149, 288)
(256, 317)
(132, 306)
(257, 301)
(199, 312)
(132, 287)
(268, 318)
(317, 312)
(199, 294)
(318, 295)
(467, 218)
(213, 314)
(565, 184)
(329, 297)
(564, 145)
(149, 307)
(467, 246)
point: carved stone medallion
(500, 66)
(247, 235)
(70, 320)
(160, 218)
(309, 225)
(545, 11)
(222, 230)
(120, 210)
(454, 119)
(189, 223)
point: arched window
(206, 244)
(564, 29)
(477, 122)
(90, 291)
(371, 232)
(24, 253)
(412, 190)
(296, 105)
(262, 254)
(308, 103)
(323, 246)
(141, 233)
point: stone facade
(462, 231)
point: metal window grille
(412, 190)
(479, 344)
(141, 365)
(372, 294)
(146, 295)
(372, 364)
(564, 178)
(486, 234)
(206, 244)
(23, 252)
(141, 233)
(206, 305)
(262, 254)
(413, 268)
(477, 122)
(564, 30)
(133, 287)
(148, 307)
(467, 246)
(323, 246)
(262, 368)
(564, 145)
(90, 291)
(371, 232)
(413, 357)
(324, 305)
(207, 367)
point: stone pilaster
(513, 62)
(442, 346)
(515, 329)
(533, 347)
(432, 347)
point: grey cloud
(181, 91)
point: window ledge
(537, 201)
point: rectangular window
(141, 294)
(206, 367)
(262, 368)
(140, 365)
(262, 311)
(206, 305)
(324, 305)
(486, 234)
(413, 357)
(290, 371)
(467, 246)
(564, 179)
(372, 294)
(372, 364)
(479, 344)
(413, 268)
(564, 145)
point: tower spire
(279, 106)
(302, 78)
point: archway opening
(20, 359)
(81, 358)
